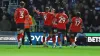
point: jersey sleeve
(15, 14)
(66, 19)
(40, 13)
(26, 14)
(30, 21)
(73, 20)
(56, 16)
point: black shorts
(72, 34)
(47, 29)
(62, 31)
(20, 26)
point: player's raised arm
(67, 20)
(37, 11)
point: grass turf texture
(26, 50)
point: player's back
(62, 19)
(48, 17)
(20, 15)
(76, 24)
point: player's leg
(65, 37)
(23, 39)
(19, 38)
(20, 31)
(72, 39)
(49, 36)
(74, 44)
(44, 36)
(54, 30)
(18, 35)
(21, 34)
(59, 39)
(49, 31)
(29, 35)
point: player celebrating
(47, 23)
(54, 27)
(21, 14)
(75, 27)
(62, 20)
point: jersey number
(21, 14)
(77, 22)
(62, 20)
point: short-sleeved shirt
(76, 24)
(20, 15)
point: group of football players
(54, 23)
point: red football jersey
(62, 20)
(54, 23)
(48, 17)
(76, 24)
(20, 15)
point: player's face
(53, 10)
(47, 10)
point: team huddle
(54, 23)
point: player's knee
(21, 31)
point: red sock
(72, 40)
(59, 39)
(48, 38)
(43, 39)
(54, 39)
(20, 36)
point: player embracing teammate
(61, 21)
(54, 23)
(47, 28)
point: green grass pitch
(26, 50)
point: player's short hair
(61, 10)
(22, 3)
(78, 14)
(53, 9)
(46, 8)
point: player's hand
(34, 8)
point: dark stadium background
(90, 12)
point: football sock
(43, 39)
(59, 39)
(54, 39)
(48, 38)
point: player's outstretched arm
(37, 11)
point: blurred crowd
(90, 12)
